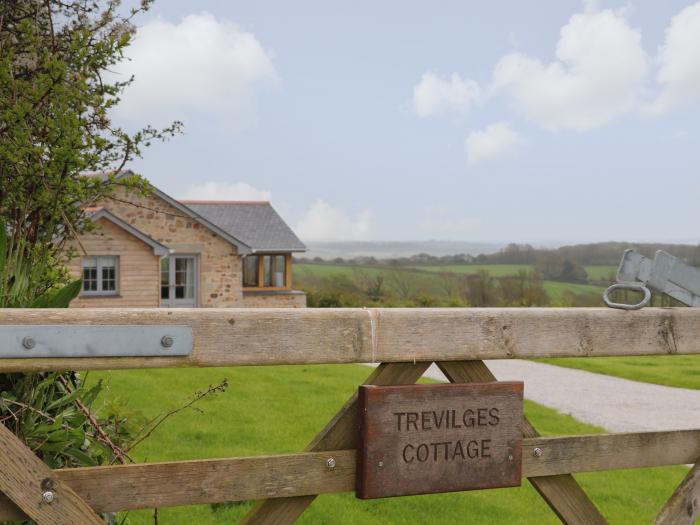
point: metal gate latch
(665, 274)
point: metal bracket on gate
(665, 274)
(29, 341)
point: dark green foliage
(55, 125)
(59, 298)
(557, 268)
(42, 410)
(51, 412)
(55, 102)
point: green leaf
(59, 298)
(80, 456)
(3, 245)
(63, 400)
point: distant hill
(397, 249)
(446, 252)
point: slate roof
(255, 223)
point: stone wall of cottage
(279, 300)
(220, 270)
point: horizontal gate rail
(232, 337)
(148, 485)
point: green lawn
(680, 370)
(279, 409)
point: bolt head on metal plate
(28, 342)
(167, 341)
(47, 496)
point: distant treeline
(409, 288)
(602, 253)
(564, 264)
(399, 287)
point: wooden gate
(405, 342)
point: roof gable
(241, 246)
(101, 213)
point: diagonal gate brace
(34, 488)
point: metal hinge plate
(30, 341)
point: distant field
(556, 290)
(595, 272)
(427, 278)
(495, 270)
(600, 272)
(324, 270)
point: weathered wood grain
(147, 485)
(261, 336)
(563, 455)
(340, 432)
(683, 507)
(562, 492)
(24, 478)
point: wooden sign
(422, 439)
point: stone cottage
(155, 251)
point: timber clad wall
(138, 267)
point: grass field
(324, 270)
(495, 270)
(556, 290)
(680, 370)
(426, 278)
(279, 409)
(600, 272)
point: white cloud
(235, 191)
(679, 61)
(434, 95)
(199, 64)
(497, 140)
(599, 74)
(323, 222)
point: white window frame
(98, 263)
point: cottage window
(250, 271)
(100, 275)
(267, 271)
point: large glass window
(100, 275)
(265, 271)
(250, 271)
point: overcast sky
(399, 120)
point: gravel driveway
(618, 405)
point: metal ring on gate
(628, 286)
